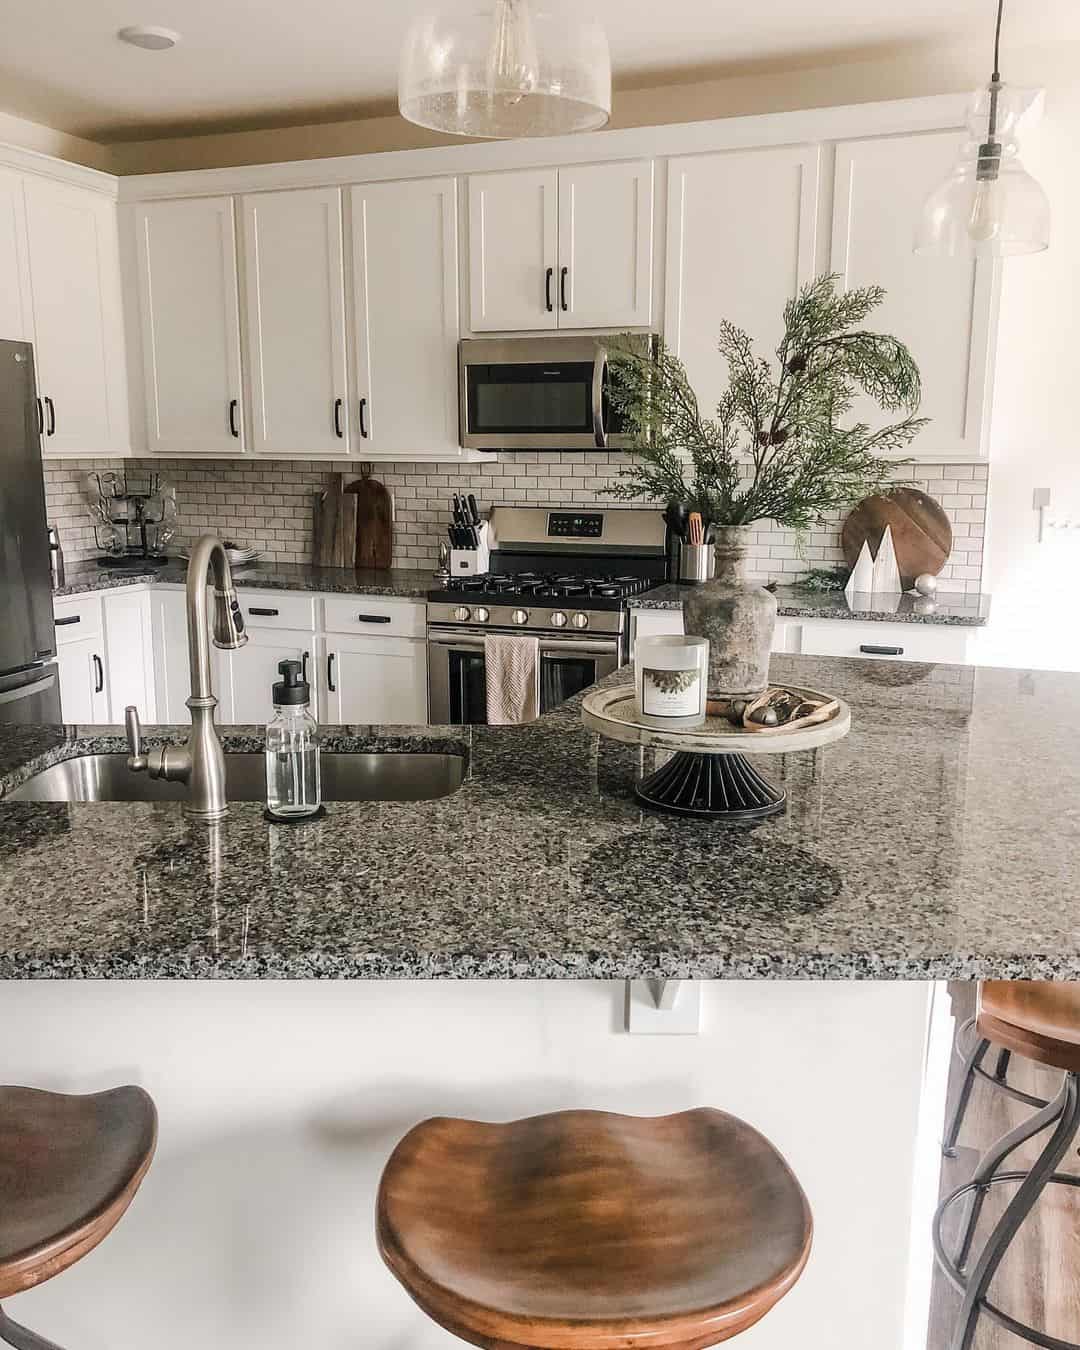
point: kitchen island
(940, 839)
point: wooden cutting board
(335, 526)
(922, 535)
(374, 521)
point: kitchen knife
(458, 518)
(474, 509)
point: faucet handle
(136, 759)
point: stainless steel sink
(345, 778)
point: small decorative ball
(765, 717)
(736, 709)
(926, 584)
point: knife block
(472, 562)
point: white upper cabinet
(569, 248)
(405, 317)
(941, 307)
(16, 317)
(605, 245)
(741, 241)
(295, 310)
(190, 322)
(78, 325)
(513, 250)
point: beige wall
(33, 136)
(906, 73)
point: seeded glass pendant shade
(989, 205)
(505, 71)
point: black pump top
(293, 688)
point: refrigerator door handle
(40, 417)
(28, 690)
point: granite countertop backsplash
(795, 603)
(940, 839)
(407, 582)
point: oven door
(457, 682)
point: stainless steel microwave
(544, 393)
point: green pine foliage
(778, 447)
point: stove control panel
(575, 524)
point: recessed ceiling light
(150, 39)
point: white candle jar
(671, 680)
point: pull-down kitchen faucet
(200, 764)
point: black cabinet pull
(40, 417)
(50, 407)
(233, 426)
(363, 418)
(71, 618)
(339, 430)
(373, 618)
(330, 673)
(871, 650)
(548, 275)
(265, 613)
(562, 288)
(99, 675)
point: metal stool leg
(1001, 1069)
(1068, 1124)
(991, 1162)
(971, 1067)
(22, 1338)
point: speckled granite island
(940, 839)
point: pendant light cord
(995, 80)
(996, 77)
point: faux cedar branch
(776, 448)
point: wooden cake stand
(710, 775)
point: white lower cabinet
(245, 685)
(129, 654)
(382, 680)
(84, 693)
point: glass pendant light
(989, 204)
(505, 71)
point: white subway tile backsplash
(270, 505)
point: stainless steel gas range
(561, 573)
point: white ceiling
(266, 62)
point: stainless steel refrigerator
(29, 681)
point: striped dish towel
(512, 677)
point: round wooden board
(922, 535)
(613, 713)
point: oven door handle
(548, 646)
(599, 372)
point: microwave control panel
(575, 524)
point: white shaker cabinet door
(295, 311)
(190, 320)
(78, 328)
(380, 680)
(605, 245)
(741, 241)
(942, 308)
(249, 674)
(84, 692)
(513, 250)
(405, 317)
(129, 653)
(16, 314)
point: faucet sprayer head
(229, 631)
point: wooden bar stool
(69, 1167)
(1040, 1021)
(584, 1230)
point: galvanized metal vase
(738, 618)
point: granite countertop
(793, 602)
(407, 582)
(940, 839)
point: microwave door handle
(600, 364)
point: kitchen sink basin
(386, 777)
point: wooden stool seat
(584, 1230)
(69, 1167)
(1037, 1019)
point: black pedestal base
(711, 787)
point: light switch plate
(674, 1010)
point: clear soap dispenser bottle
(293, 778)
